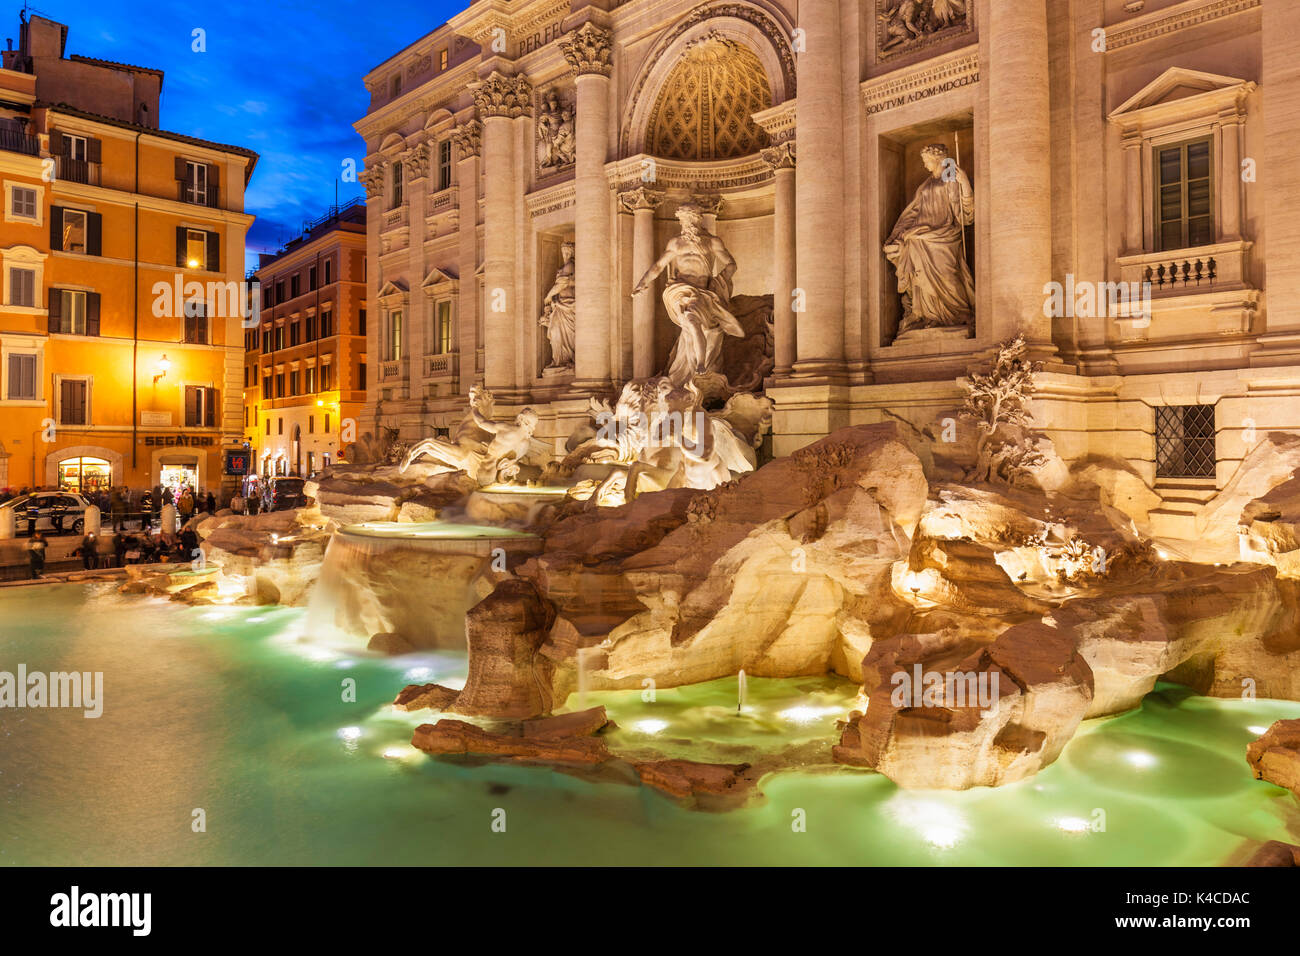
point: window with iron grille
(1185, 441)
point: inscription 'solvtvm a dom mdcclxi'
(565, 199)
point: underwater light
(349, 733)
(1258, 730)
(803, 714)
(651, 726)
(1140, 758)
(1073, 824)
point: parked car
(281, 494)
(50, 506)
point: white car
(67, 509)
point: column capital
(780, 156)
(416, 160)
(501, 95)
(588, 50)
(640, 197)
(468, 139)
(710, 203)
(373, 179)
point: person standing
(211, 505)
(146, 510)
(33, 513)
(36, 554)
(186, 505)
(117, 504)
(89, 551)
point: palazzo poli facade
(899, 186)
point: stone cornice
(778, 121)
(930, 78)
(694, 178)
(1172, 19)
(501, 95)
(588, 50)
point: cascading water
(411, 581)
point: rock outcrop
(1275, 756)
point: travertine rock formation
(1275, 756)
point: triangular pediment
(438, 276)
(1178, 83)
(391, 288)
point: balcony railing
(441, 366)
(1182, 273)
(1221, 267)
(78, 171)
(15, 141)
(392, 371)
(200, 196)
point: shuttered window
(22, 377)
(1184, 195)
(23, 202)
(444, 164)
(196, 323)
(74, 394)
(200, 406)
(73, 312)
(22, 287)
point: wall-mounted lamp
(163, 366)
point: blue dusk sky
(280, 77)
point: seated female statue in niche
(559, 315)
(927, 248)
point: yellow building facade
(123, 366)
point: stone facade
(1106, 142)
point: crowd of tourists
(119, 506)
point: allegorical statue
(698, 296)
(928, 248)
(555, 139)
(559, 315)
(497, 459)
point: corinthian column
(587, 51)
(781, 158)
(641, 202)
(499, 99)
(819, 191)
(467, 140)
(1020, 211)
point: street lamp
(163, 366)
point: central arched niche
(704, 109)
(762, 36)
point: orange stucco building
(122, 248)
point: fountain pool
(229, 710)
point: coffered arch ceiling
(703, 109)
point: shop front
(85, 475)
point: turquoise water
(229, 711)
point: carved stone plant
(998, 402)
